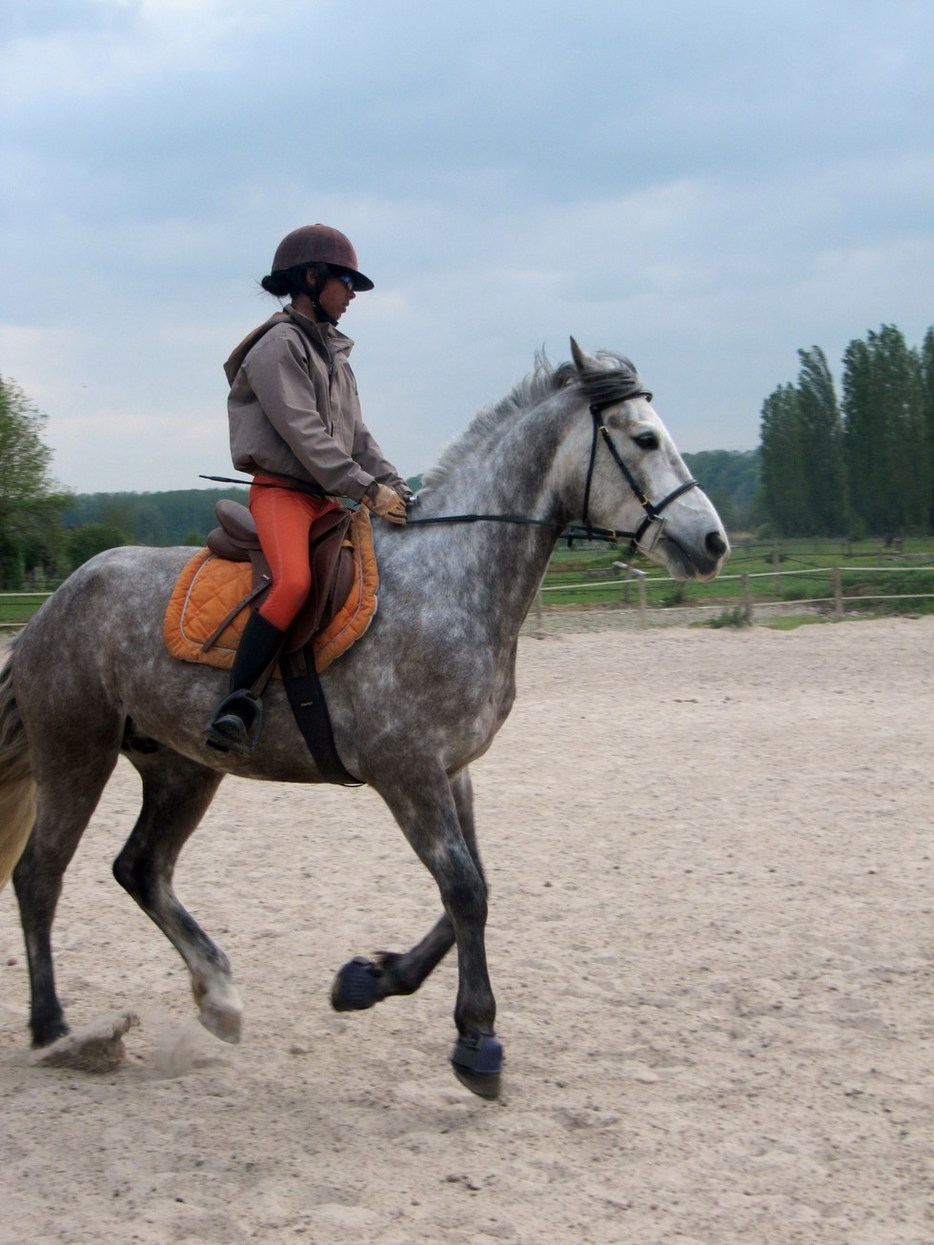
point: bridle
(653, 524)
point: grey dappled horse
(416, 700)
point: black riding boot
(238, 719)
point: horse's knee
(465, 894)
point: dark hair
(288, 282)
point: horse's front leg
(364, 982)
(430, 813)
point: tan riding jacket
(294, 411)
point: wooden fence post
(837, 594)
(627, 578)
(643, 617)
(747, 598)
(539, 617)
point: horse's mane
(614, 381)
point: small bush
(729, 618)
(676, 597)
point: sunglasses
(345, 278)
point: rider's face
(335, 297)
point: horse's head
(636, 480)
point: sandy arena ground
(711, 938)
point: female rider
(296, 427)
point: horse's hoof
(356, 986)
(221, 1012)
(477, 1061)
(45, 1034)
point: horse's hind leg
(65, 802)
(363, 982)
(176, 795)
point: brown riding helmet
(319, 244)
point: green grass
(16, 611)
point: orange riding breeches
(283, 518)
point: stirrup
(237, 723)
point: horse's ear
(582, 360)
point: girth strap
(310, 710)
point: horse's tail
(17, 784)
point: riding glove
(385, 502)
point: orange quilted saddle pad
(210, 588)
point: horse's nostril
(716, 545)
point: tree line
(861, 463)
(47, 531)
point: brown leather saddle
(330, 554)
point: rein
(585, 529)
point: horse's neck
(501, 561)
(511, 475)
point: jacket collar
(324, 338)
(329, 339)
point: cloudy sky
(705, 185)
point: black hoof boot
(237, 724)
(477, 1061)
(356, 986)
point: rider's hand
(385, 502)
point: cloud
(706, 187)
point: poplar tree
(865, 464)
(783, 473)
(927, 402)
(885, 437)
(820, 433)
(863, 434)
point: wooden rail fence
(630, 580)
(836, 602)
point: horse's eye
(646, 441)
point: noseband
(653, 523)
